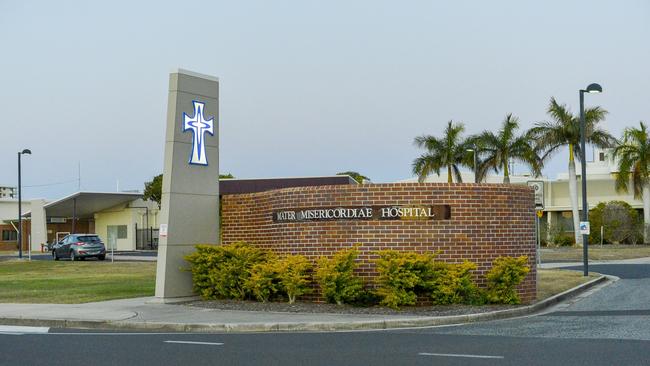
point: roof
(87, 203)
(238, 186)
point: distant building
(8, 192)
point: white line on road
(457, 355)
(17, 330)
(201, 343)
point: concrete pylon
(189, 212)
(38, 224)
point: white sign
(162, 232)
(538, 187)
(584, 228)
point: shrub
(621, 223)
(221, 271)
(453, 284)
(401, 276)
(506, 273)
(336, 276)
(293, 276)
(263, 281)
(366, 298)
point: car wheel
(101, 257)
(72, 256)
(55, 256)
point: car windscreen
(89, 239)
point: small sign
(584, 228)
(540, 213)
(436, 212)
(162, 232)
(538, 187)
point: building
(123, 220)
(8, 192)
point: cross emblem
(199, 126)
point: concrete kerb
(310, 326)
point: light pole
(20, 211)
(592, 88)
(473, 151)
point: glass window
(89, 238)
(9, 235)
(121, 231)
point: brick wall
(487, 221)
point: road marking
(201, 343)
(457, 355)
(18, 330)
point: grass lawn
(554, 281)
(596, 252)
(74, 282)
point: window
(9, 235)
(602, 156)
(121, 231)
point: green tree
(564, 130)
(153, 189)
(355, 175)
(633, 155)
(449, 152)
(497, 150)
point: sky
(306, 87)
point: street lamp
(20, 212)
(473, 151)
(592, 89)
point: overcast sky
(307, 87)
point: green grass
(554, 281)
(596, 252)
(74, 282)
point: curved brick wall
(487, 221)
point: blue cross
(199, 126)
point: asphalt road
(610, 326)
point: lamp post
(592, 89)
(473, 151)
(20, 212)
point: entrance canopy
(86, 204)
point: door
(111, 240)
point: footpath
(145, 314)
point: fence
(146, 239)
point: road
(610, 326)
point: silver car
(79, 247)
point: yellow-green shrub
(336, 276)
(263, 281)
(504, 276)
(453, 284)
(401, 276)
(221, 271)
(293, 276)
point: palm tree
(497, 150)
(633, 154)
(450, 151)
(564, 130)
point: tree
(449, 152)
(153, 189)
(633, 155)
(564, 130)
(497, 150)
(355, 175)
